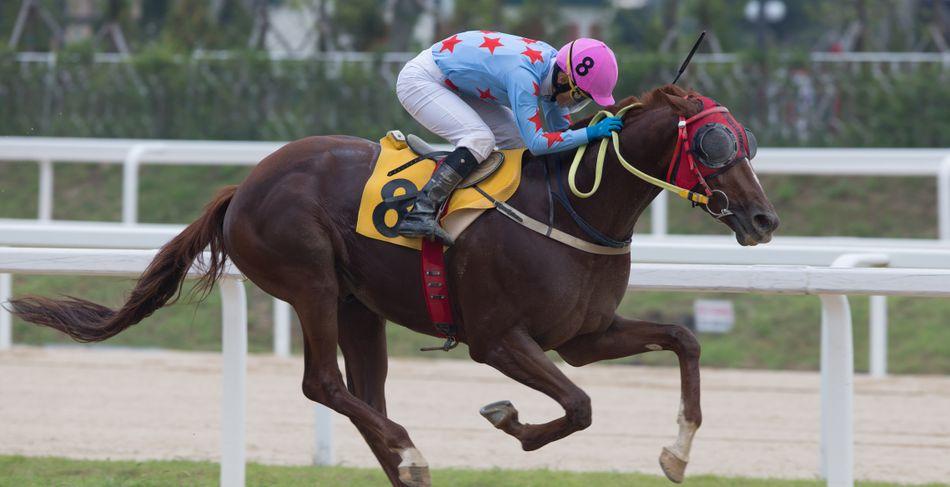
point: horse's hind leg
(627, 337)
(518, 356)
(323, 383)
(363, 342)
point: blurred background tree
(267, 55)
(401, 25)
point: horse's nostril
(765, 222)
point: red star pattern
(536, 120)
(449, 44)
(450, 84)
(534, 56)
(537, 88)
(568, 118)
(485, 95)
(487, 31)
(553, 137)
(491, 43)
(528, 41)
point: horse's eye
(753, 144)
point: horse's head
(711, 157)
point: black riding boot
(421, 220)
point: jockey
(481, 89)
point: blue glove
(603, 128)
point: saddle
(481, 173)
(404, 166)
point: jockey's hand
(603, 128)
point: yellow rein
(599, 167)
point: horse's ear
(672, 96)
(676, 103)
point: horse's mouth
(747, 233)
(751, 239)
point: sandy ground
(82, 403)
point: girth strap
(436, 294)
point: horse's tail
(160, 284)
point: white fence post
(45, 202)
(878, 336)
(659, 215)
(130, 181)
(130, 184)
(837, 391)
(234, 380)
(6, 319)
(323, 444)
(281, 328)
(943, 200)
(837, 378)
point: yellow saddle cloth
(381, 209)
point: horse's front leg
(518, 356)
(628, 337)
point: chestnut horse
(290, 228)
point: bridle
(712, 161)
(704, 159)
(683, 146)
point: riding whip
(689, 57)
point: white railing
(680, 249)
(133, 153)
(844, 162)
(111, 262)
(805, 251)
(108, 235)
(831, 283)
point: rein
(602, 153)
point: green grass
(21, 471)
(777, 332)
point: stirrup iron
(450, 343)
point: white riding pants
(463, 120)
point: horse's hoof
(413, 469)
(499, 413)
(673, 466)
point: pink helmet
(593, 68)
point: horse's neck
(622, 197)
(617, 205)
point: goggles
(716, 146)
(579, 98)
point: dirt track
(84, 403)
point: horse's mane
(671, 96)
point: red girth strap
(435, 287)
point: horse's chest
(555, 295)
(586, 301)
